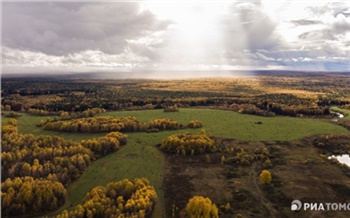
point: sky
(166, 36)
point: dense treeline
(12, 115)
(51, 156)
(44, 86)
(337, 144)
(106, 144)
(35, 170)
(135, 95)
(63, 115)
(250, 109)
(188, 144)
(281, 104)
(118, 199)
(82, 96)
(267, 105)
(192, 144)
(41, 112)
(96, 124)
(21, 196)
(109, 124)
(42, 157)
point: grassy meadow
(139, 158)
(218, 123)
(230, 124)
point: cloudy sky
(174, 36)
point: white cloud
(88, 58)
(64, 28)
(176, 35)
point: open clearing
(298, 172)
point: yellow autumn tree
(265, 177)
(200, 207)
(12, 122)
(8, 129)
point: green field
(27, 124)
(219, 123)
(343, 111)
(230, 124)
(140, 158)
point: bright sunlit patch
(182, 12)
(195, 33)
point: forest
(119, 199)
(287, 94)
(218, 147)
(36, 169)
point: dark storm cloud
(259, 28)
(64, 28)
(317, 35)
(247, 26)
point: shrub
(194, 124)
(171, 108)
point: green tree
(222, 159)
(207, 158)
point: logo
(296, 205)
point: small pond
(345, 158)
(337, 115)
